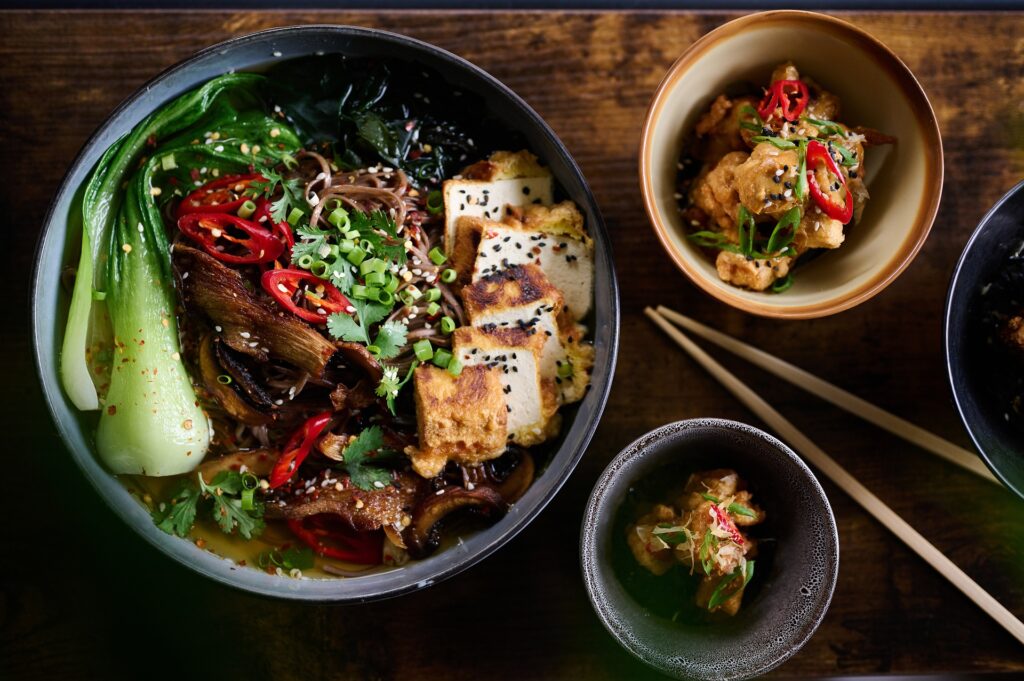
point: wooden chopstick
(837, 396)
(838, 475)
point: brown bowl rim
(923, 113)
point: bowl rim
(284, 589)
(637, 450)
(954, 282)
(926, 121)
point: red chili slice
(298, 448)
(263, 216)
(727, 524)
(843, 212)
(215, 231)
(283, 284)
(363, 548)
(219, 196)
(789, 95)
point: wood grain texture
(108, 605)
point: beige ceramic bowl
(877, 91)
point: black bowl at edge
(795, 590)
(57, 247)
(1000, 442)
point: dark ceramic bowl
(969, 356)
(58, 246)
(797, 562)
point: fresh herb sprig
(361, 455)
(229, 497)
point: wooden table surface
(80, 596)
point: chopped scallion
(436, 256)
(448, 276)
(435, 202)
(423, 350)
(246, 210)
(447, 325)
(442, 358)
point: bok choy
(121, 351)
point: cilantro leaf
(292, 195)
(227, 508)
(390, 339)
(179, 513)
(359, 456)
(381, 232)
(287, 559)
(344, 327)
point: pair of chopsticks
(823, 462)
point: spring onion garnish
(224, 379)
(455, 366)
(565, 369)
(339, 218)
(757, 125)
(358, 291)
(356, 255)
(246, 210)
(740, 509)
(436, 256)
(375, 279)
(433, 294)
(373, 350)
(783, 284)
(167, 162)
(385, 297)
(720, 595)
(712, 498)
(319, 268)
(433, 309)
(248, 503)
(745, 228)
(442, 358)
(423, 350)
(785, 230)
(777, 142)
(801, 174)
(294, 217)
(373, 265)
(447, 325)
(448, 276)
(826, 127)
(435, 202)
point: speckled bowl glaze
(877, 91)
(999, 442)
(795, 591)
(58, 245)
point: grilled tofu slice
(550, 238)
(460, 418)
(519, 298)
(489, 187)
(515, 354)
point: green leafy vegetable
(224, 494)
(89, 334)
(178, 514)
(362, 453)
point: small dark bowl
(58, 245)
(793, 580)
(970, 358)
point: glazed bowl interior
(59, 245)
(796, 569)
(999, 439)
(876, 91)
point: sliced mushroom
(362, 509)
(423, 535)
(248, 324)
(231, 361)
(224, 394)
(519, 480)
(357, 354)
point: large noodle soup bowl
(59, 245)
